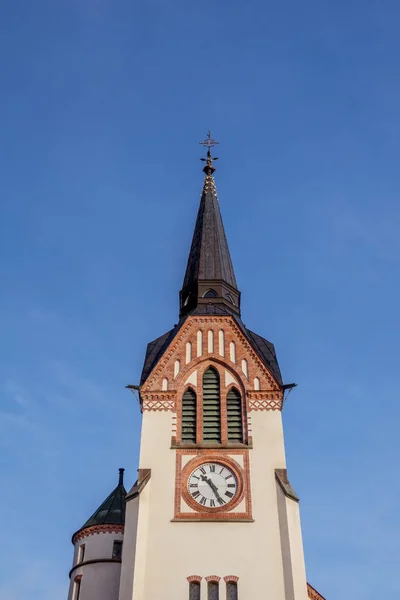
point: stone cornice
(143, 479)
(96, 529)
(92, 562)
(282, 478)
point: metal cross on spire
(209, 143)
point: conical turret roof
(112, 510)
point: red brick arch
(231, 579)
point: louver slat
(211, 407)
(234, 415)
(189, 416)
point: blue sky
(102, 106)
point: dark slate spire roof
(112, 511)
(209, 277)
(209, 256)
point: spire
(209, 285)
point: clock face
(212, 485)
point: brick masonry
(95, 530)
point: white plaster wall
(285, 544)
(100, 581)
(292, 547)
(141, 565)
(129, 548)
(167, 553)
(297, 551)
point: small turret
(96, 568)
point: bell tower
(212, 515)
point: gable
(212, 337)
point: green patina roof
(112, 511)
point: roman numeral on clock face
(212, 468)
(202, 469)
(229, 494)
(203, 501)
(196, 494)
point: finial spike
(121, 476)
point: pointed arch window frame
(224, 441)
(189, 391)
(213, 399)
(233, 390)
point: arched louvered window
(212, 590)
(231, 591)
(211, 407)
(188, 433)
(194, 590)
(234, 416)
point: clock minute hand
(213, 487)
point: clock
(212, 485)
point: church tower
(212, 515)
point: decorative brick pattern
(215, 578)
(219, 513)
(224, 460)
(264, 404)
(158, 405)
(158, 401)
(96, 529)
(194, 578)
(188, 333)
(229, 578)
